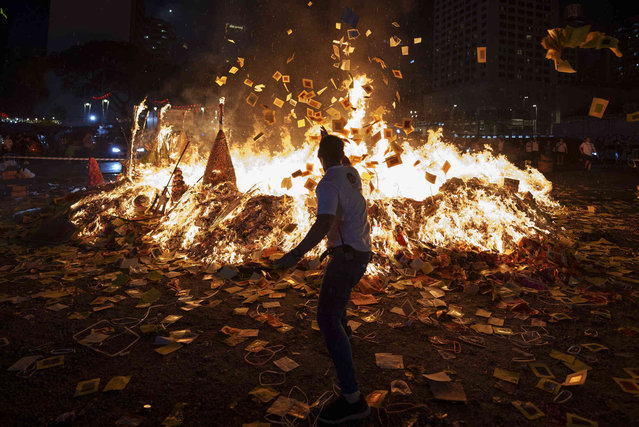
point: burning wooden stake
(219, 167)
(161, 199)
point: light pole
(535, 122)
(105, 109)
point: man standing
(560, 151)
(587, 150)
(499, 146)
(342, 215)
(535, 152)
(529, 152)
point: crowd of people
(561, 153)
(61, 144)
(21, 144)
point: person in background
(88, 144)
(19, 144)
(518, 152)
(529, 152)
(8, 148)
(587, 150)
(7, 145)
(499, 146)
(342, 216)
(617, 150)
(71, 148)
(535, 152)
(561, 149)
(62, 145)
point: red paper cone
(95, 176)
(219, 167)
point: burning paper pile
(465, 204)
(427, 193)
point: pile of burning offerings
(431, 195)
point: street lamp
(105, 109)
(535, 123)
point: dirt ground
(213, 378)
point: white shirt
(561, 147)
(587, 148)
(339, 193)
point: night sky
(29, 18)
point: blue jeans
(340, 277)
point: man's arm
(315, 235)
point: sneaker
(340, 411)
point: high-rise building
(626, 72)
(159, 38)
(509, 88)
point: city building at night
(159, 38)
(511, 92)
(626, 72)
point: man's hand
(287, 261)
(315, 235)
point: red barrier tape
(86, 159)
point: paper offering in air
(597, 107)
(575, 37)
(269, 115)
(251, 99)
(481, 55)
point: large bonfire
(429, 195)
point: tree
(23, 86)
(127, 71)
